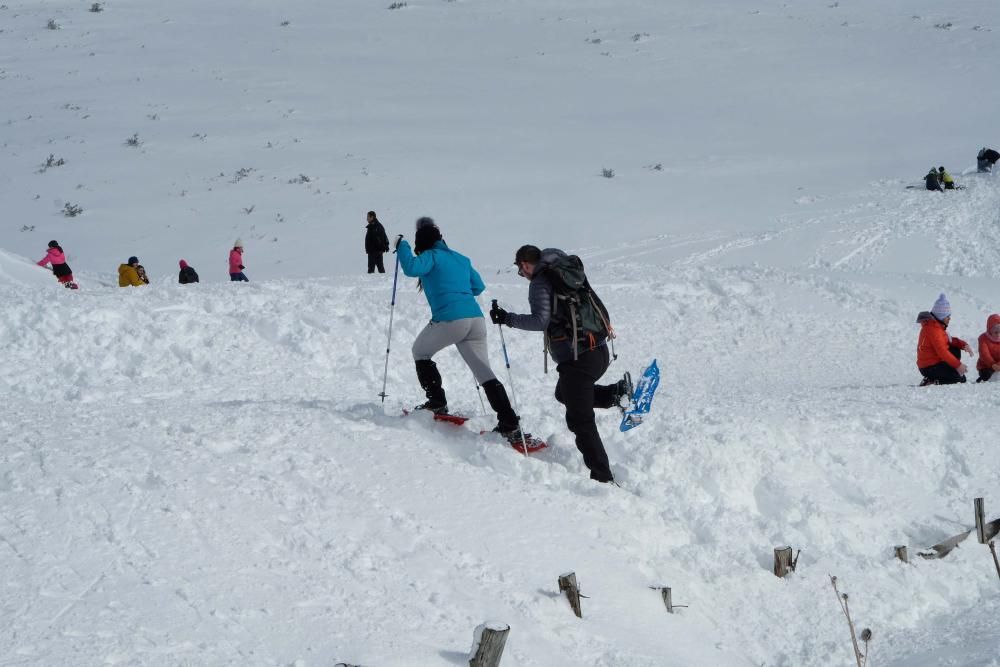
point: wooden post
(980, 509)
(901, 553)
(668, 599)
(996, 561)
(567, 583)
(783, 563)
(487, 644)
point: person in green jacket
(946, 179)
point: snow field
(228, 489)
(205, 475)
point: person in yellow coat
(946, 180)
(128, 274)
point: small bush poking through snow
(97, 7)
(397, 5)
(608, 173)
(72, 210)
(52, 25)
(133, 141)
(242, 173)
(51, 161)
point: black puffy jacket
(375, 239)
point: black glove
(242, 267)
(498, 314)
(395, 246)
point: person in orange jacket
(939, 355)
(989, 349)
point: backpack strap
(599, 307)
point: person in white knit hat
(939, 355)
(236, 263)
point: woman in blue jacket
(451, 286)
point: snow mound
(16, 271)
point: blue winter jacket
(449, 281)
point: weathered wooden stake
(901, 553)
(487, 644)
(996, 562)
(567, 583)
(668, 599)
(980, 509)
(783, 562)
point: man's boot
(507, 420)
(430, 380)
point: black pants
(375, 262)
(577, 391)
(943, 372)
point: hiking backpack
(577, 312)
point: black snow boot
(507, 419)
(430, 380)
(624, 391)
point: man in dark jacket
(376, 243)
(579, 369)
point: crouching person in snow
(187, 274)
(60, 268)
(933, 180)
(985, 159)
(939, 355)
(451, 285)
(946, 179)
(581, 356)
(989, 349)
(128, 274)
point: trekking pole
(510, 381)
(480, 391)
(392, 308)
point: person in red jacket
(989, 349)
(939, 355)
(60, 268)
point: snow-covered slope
(495, 117)
(204, 475)
(20, 272)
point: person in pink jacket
(236, 263)
(60, 268)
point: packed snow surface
(205, 474)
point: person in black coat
(187, 275)
(985, 160)
(933, 180)
(376, 243)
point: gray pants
(468, 335)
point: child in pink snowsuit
(236, 263)
(60, 268)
